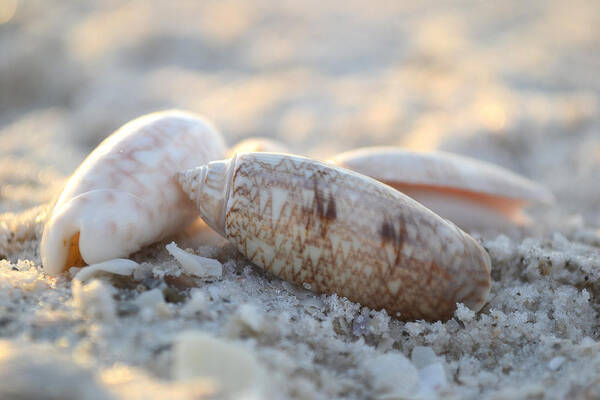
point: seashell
(258, 145)
(192, 264)
(471, 193)
(117, 266)
(341, 232)
(124, 195)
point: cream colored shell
(124, 195)
(341, 232)
(471, 193)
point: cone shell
(124, 195)
(341, 232)
(471, 193)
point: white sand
(508, 82)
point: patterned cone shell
(341, 232)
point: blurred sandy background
(503, 81)
(512, 82)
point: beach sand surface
(513, 83)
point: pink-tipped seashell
(124, 195)
(258, 145)
(471, 193)
(341, 232)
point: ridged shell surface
(124, 195)
(341, 232)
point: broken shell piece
(234, 370)
(118, 266)
(192, 264)
(124, 195)
(341, 232)
(471, 193)
(258, 145)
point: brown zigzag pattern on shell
(306, 243)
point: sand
(513, 83)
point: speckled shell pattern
(125, 195)
(341, 232)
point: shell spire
(341, 232)
(208, 187)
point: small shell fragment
(124, 195)
(118, 266)
(192, 264)
(341, 232)
(234, 370)
(471, 193)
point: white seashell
(258, 145)
(234, 370)
(124, 195)
(341, 232)
(118, 266)
(471, 193)
(192, 264)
